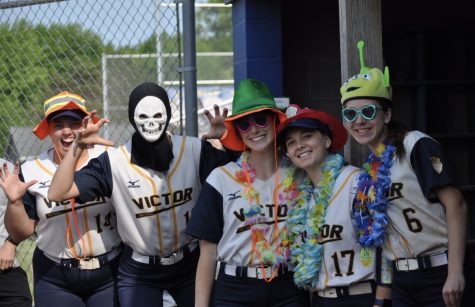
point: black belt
(421, 262)
(363, 287)
(91, 263)
(170, 259)
(251, 272)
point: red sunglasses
(260, 120)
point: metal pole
(105, 98)
(158, 33)
(189, 69)
(180, 76)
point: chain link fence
(100, 50)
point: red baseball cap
(298, 117)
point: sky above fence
(94, 14)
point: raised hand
(89, 133)
(218, 128)
(12, 185)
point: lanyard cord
(69, 238)
(275, 234)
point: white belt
(168, 259)
(359, 288)
(423, 262)
(252, 272)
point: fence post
(189, 69)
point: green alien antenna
(369, 82)
(364, 69)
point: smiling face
(150, 117)
(62, 132)
(258, 137)
(307, 148)
(368, 132)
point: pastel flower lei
(267, 255)
(306, 218)
(371, 201)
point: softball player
(407, 198)
(153, 182)
(77, 244)
(241, 211)
(327, 259)
(14, 289)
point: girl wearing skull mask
(153, 191)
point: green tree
(214, 34)
(38, 61)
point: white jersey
(3, 208)
(219, 214)
(345, 262)
(417, 225)
(153, 208)
(58, 229)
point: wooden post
(359, 20)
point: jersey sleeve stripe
(176, 235)
(38, 162)
(227, 172)
(154, 190)
(342, 186)
(88, 233)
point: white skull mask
(150, 117)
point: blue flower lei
(305, 220)
(371, 201)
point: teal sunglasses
(368, 112)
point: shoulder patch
(437, 164)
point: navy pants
(362, 300)
(72, 287)
(14, 289)
(142, 285)
(243, 291)
(419, 288)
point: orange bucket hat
(251, 96)
(62, 102)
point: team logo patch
(437, 164)
(233, 196)
(133, 184)
(43, 184)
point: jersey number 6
(413, 224)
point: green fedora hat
(251, 96)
